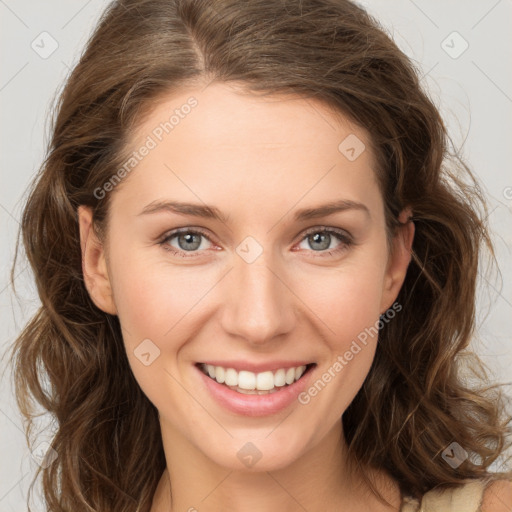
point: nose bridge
(259, 306)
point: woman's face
(281, 263)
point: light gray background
(473, 91)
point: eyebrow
(329, 209)
(196, 210)
(211, 212)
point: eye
(320, 239)
(188, 240)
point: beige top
(466, 498)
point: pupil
(317, 237)
(189, 240)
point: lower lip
(255, 405)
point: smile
(251, 383)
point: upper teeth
(263, 381)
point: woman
(257, 266)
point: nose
(259, 304)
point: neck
(319, 480)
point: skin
(258, 161)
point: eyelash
(345, 239)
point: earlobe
(399, 259)
(94, 264)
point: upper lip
(241, 365)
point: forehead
(220, 144)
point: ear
(399, 259)
(94, 264)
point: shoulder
(478, 495)
(497, 496)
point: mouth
(255, 383)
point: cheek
(345, 299)
(152, 297)
(160, 307)
(155, 306)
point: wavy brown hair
(419, 395)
